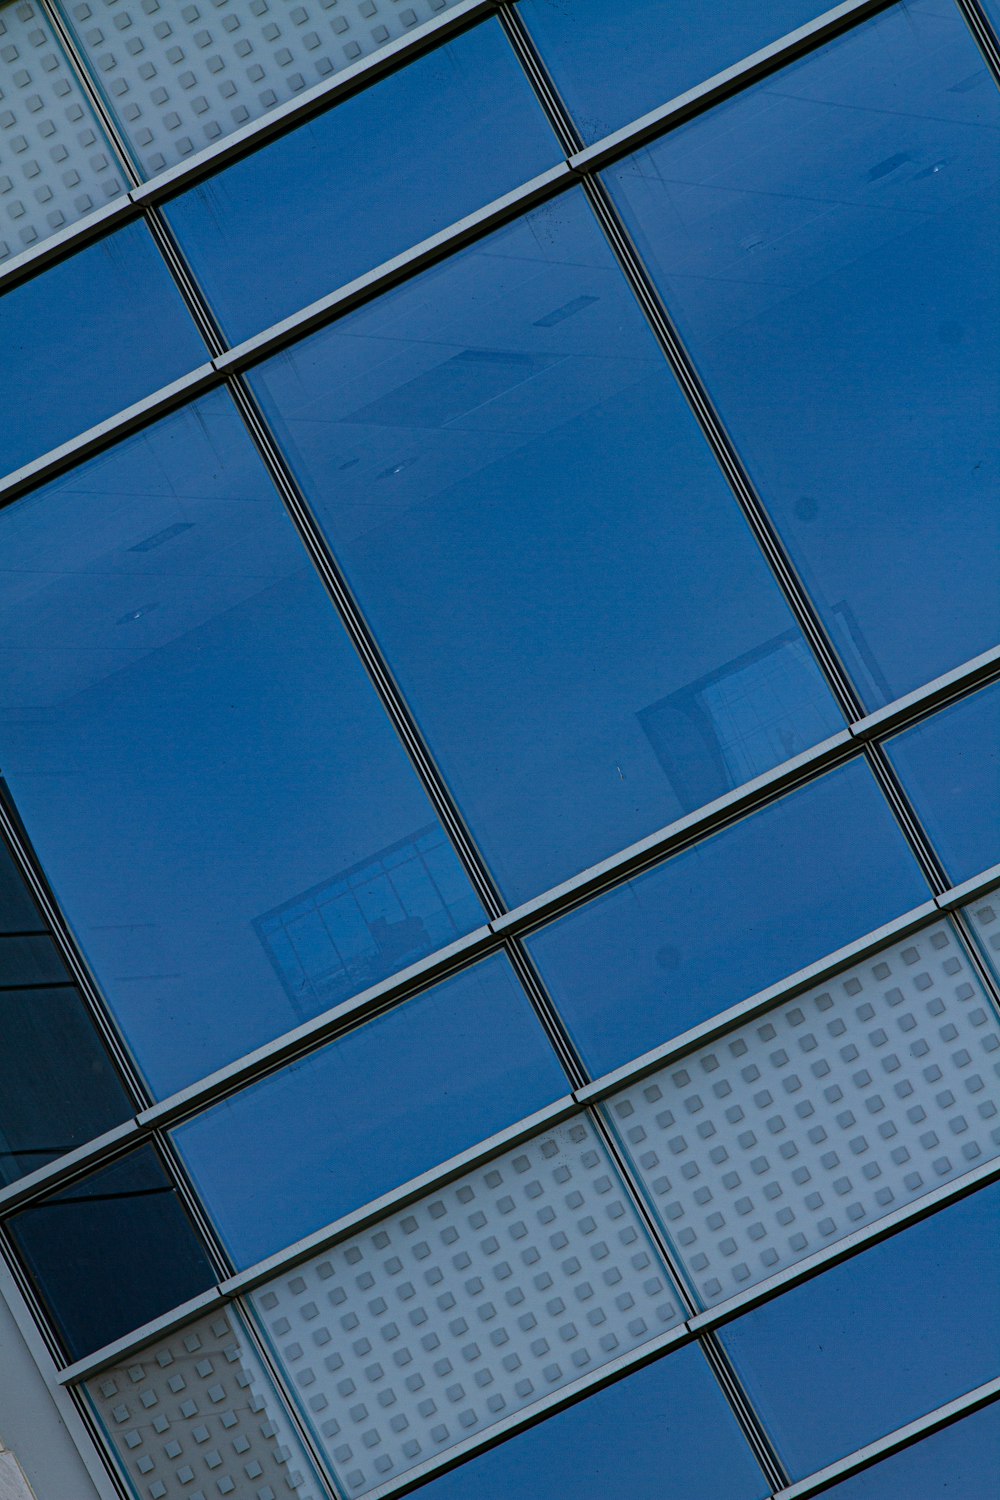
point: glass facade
(499, 852)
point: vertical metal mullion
(245, 1313)
(984, 32)
(88, 83)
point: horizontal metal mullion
(930, 698)
(969, 890)
(854, 1244)
(103, 1148)
(732, 80)
(894, 1442)
(68, 455)
(530, 1416)
(168, 184)
(400, 268)
(322, 1239)
(305, 1039)
(764, 1000)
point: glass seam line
(894, 1442)
(984, 33)
(237, 1287)
(657, 122)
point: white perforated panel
(482, 1298)
(195, 1416)
(55, 164)
(837, 1108)
(984, 919)
(181, 77)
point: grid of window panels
(498, 722)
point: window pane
(382, 1104)
(562, 582)
(893, 1333)
(72, 333)
(835, 227)
(183, 713)
(613, 62)
(665, 1433)
(773, 893)
(181, 77)
(57, 164)
(802, 1126)
(983, 916)
(454, 104)
(950, 766)
(219, 1419)
(111, 1252)
(58, 1087)
(963, 1460)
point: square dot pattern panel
(984, 918)
(832, 1111)
(56, 165)
(181, 77)
(196, 1416)
(479, 1300)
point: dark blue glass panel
(205, 770)
(878, 1341)
(368, 179)
(74, 351)
(58, 1088)
(612, 60)
(111, 1252)
(825, 242)
(727, 918)
(950, 766)
(382, 1104)
(536, 529)
(665, 1433)
(960, 1463)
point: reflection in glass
(181, 710)
(664, 1433)
(961, 1461)
(389, 1100)
(614, 61)
(824, 242)
(739, 911)
(218, 1418)
(111, 1252)
(563, 583)
(450, 106)
(72, 333)
(878, 1341)
(950, 767)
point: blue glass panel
(563, 583)
(950, 766)
(71, 336)
(879, 1340)
(665, 1433)
(58, 1088)
(29, 960)
(378, 1106)
(727, 918)
(960, 1463)
(368, 179)
(111, 1252)
(614, 61)
(823, 242)
(201, 762)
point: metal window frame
(506, 929)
